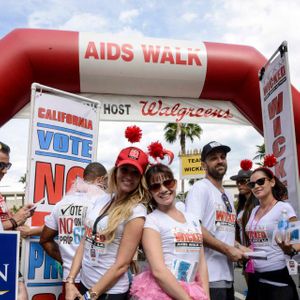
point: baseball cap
(242, 174)
(213, 146)
(133, 156)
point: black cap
(242, 174)
(213, 146)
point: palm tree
(183, 131)
(260, 153)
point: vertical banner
(9, 264)
(63, 140)
(278, 121)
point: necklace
(264, 212)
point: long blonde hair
(122, 210)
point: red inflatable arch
(51, 58)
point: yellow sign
(190, 166)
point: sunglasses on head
(260, 181)
(4, 165)
(169, 184)
(226, 202)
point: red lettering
(167, 56)
(279, 169)
(277, 126)
(179, 61)
(278, 146)
(151, 53)
(128, 54)
(91, 51)
(41, 112)
(113, 51)
(275, 106)
(45, 182)
(193, 57)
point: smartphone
(36, 204)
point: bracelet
(13, 223)
(90, 295)
(70, 279)
(293, 252)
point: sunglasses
(169, 184)
(260, 181)
(226, 202)
(242, 181)
(4, 165)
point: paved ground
(240, 284)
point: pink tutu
(145, 287)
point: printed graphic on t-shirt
(187, 240)
(225, 221)
(71, 223)
(259, 236)
(94, 243)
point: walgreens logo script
(157, 108)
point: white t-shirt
(181, 242)
(260, 234)
(67, 217)
(99, 256)
(1, 226)
(205, 201)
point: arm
(129, 242)
(48, 243)
(27, 231)
(19, 218)
(234, 254)
(203, 273)
(153, 250)
(71, 290)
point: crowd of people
(190, 252)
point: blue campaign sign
(9, 264)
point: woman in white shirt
(270, 278)
(113, 229)
(173, 244)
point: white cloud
(261, 24)
(127, 16)
(86, 22)
(189, 17)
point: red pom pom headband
(155, 149)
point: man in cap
(214, 206)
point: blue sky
(263, 24)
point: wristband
(70, 279)
(13, 223)
(90, 295)
(293, 252)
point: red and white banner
(278, 120)
(163, 109)
(64, 132)
(152, 66)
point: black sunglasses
(169, 184)
(4, 165)
(226, 202)
(260, 181)
(242, 181)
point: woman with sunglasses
(270, 278)
(113, 229)
(173, 244)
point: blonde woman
(114, 225)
